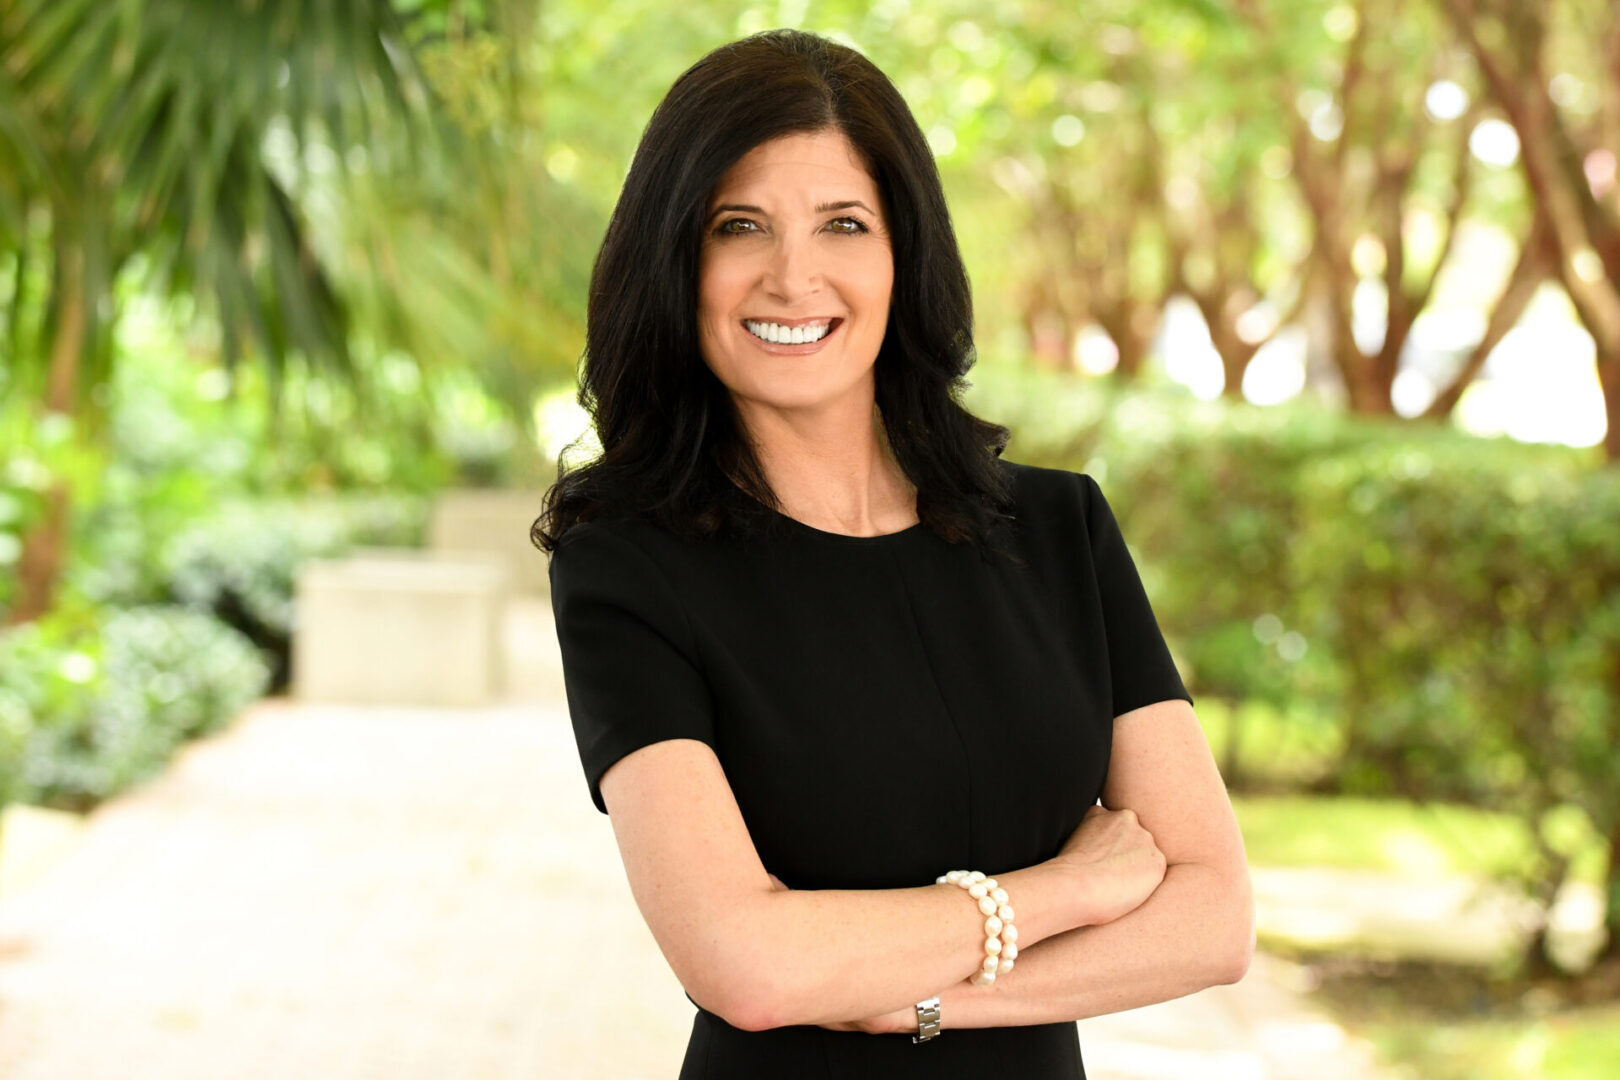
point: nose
(791, 269)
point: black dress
(885, 708)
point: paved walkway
(340, 893)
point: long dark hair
(671, 438)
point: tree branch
(1528, 273)
(1462, 177)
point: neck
(832, 470)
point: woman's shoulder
(632, 547)
(1043, 494)
(615, 544)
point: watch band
(927, 1020)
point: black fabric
(885, 708)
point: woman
(822, 645)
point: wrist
(1071, 887)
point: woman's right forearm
(824, 956)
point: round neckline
(811, 530)
(848, 538)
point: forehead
(804, 163)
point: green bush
(1212, 507)
(1431, 615)
(15, 723)
(241, 563)
(1206, 494)
(1472, 594)
(103, 702)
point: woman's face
(795, 275)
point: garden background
(1325, 294)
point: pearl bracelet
(1000, 935)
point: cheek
(877, 287)
(875, 273)
(722, 283)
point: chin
(803, 398)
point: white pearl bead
(955, 876)
(992, 926)
(977, 875)
(1010, 932)
(988, 906)
(1000, 895)
(986, 979)
(977, 891)
(1009, 951)
(1003, 910)
(992, 945)
(941, 880)
(989, 883)
(1003, 966)
(977, 978)
(991, 964)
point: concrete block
(495, 521)
(400, 628)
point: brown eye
(736, 227)
(847, 225)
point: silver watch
(927, 1020)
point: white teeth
(788, 335)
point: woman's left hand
(897, 1022)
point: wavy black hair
(674, 449)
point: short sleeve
(1140, 666)
(628, 654)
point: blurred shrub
(1441, 612)
(18, 508)
(15, 723)
(241, 563)
(1472, 593)
(102, 702)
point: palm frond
(146, 120)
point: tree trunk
(67, 344)
(1121, 321)
(44, 545)
(1235, 353)
(1610, 953)
(1370, 391)
(1608, 360)
(1537, 959)
(1528, 274)
(40, 563)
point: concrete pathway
(343, 893)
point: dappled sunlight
(1189, 356)
(1414, 852)
(1540, 384)
(1277, 372)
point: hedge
(1447, 607)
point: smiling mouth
(807, 332)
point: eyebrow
(823, 208)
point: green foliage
(1439, 614)
(35, 454)
(1487, 607)
(1472, 595)
(182, 442)
(241, 564)
(105, 700)
(1397, 836)
(141, 127)
(1442, 1026)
